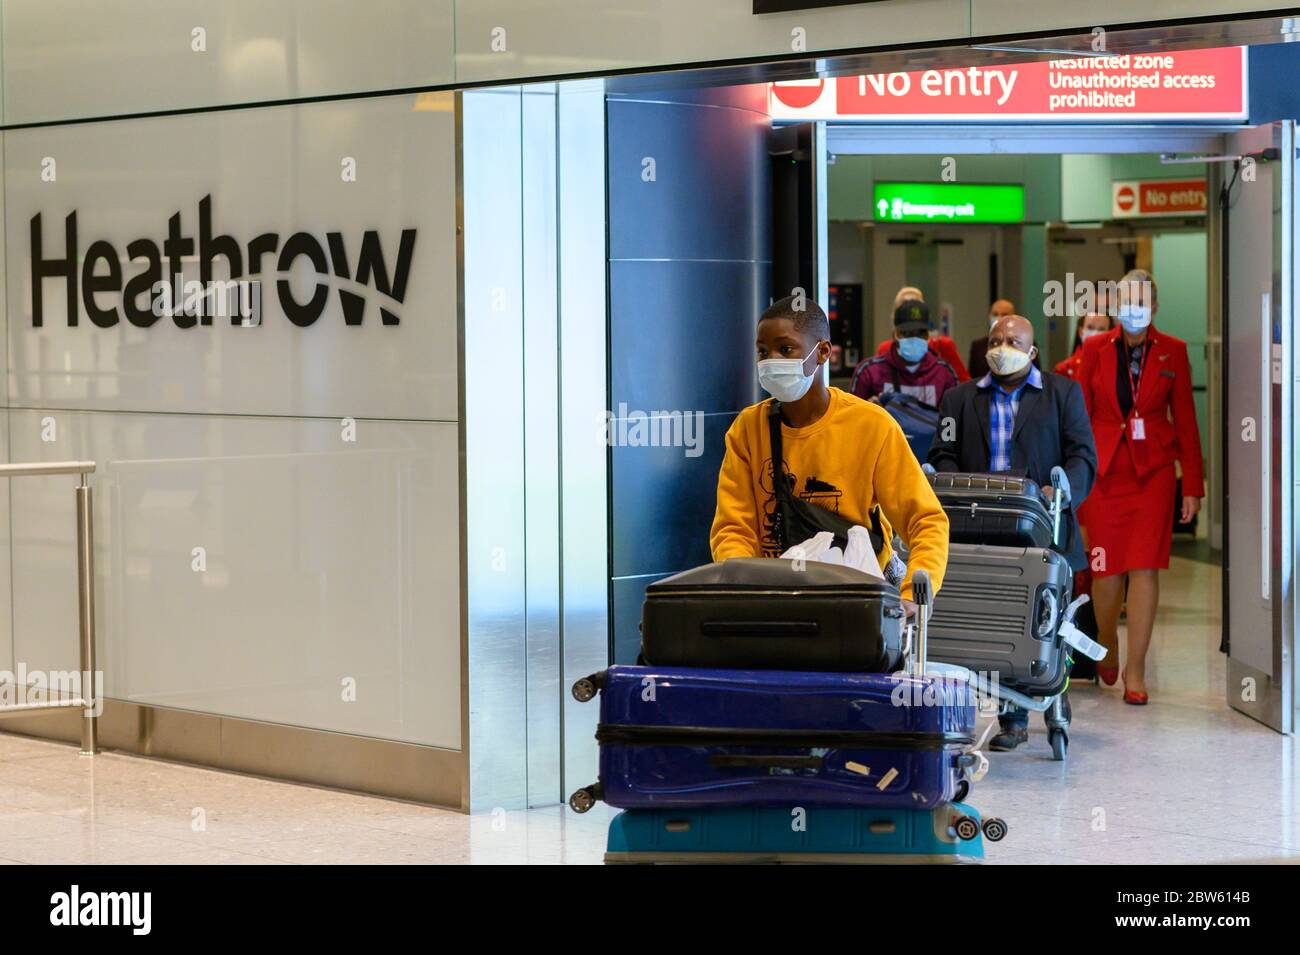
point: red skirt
(1129, 519)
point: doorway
(1073, 233)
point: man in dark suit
(1018, 418)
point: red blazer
(1164, 402)
(943, 347)
(1071, 366)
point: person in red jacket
(942, 346)
(1093, 323)
(1137, 386)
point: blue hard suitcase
(679, 737)
(948, 833)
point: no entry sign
(1189, 85)
(1158, 197)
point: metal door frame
(1270, 698)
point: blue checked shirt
(1002, 416)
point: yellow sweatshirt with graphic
(853, 458)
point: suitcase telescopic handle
(921, 596)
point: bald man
(1018, 418)
(977, 365)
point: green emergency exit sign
(946, 202)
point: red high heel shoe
(1108, 675)
(1134, 698)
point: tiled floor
(1182, 780)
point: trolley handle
(921, 596)
(1060, 501)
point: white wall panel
(76, 59)
(546, 38)
(6, 605)
(326, 560)
(994, 17)
(268, 170)
(6, 593)
(67, 59)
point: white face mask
(1005, 360)
(784, 378)
(1089, 332)
(1134, 318)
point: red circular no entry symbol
(798, 94)
(1125, 198)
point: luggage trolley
(1005, 612)
(714, 765)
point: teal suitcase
(948, 834)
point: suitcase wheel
(1060, 744)
(586, 797)
(963, 790)
(966, 828)
(584, 690)
(995, 830)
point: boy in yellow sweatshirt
(840, 453)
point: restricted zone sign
(1184, 85)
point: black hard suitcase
(759, 613)
(999, 612)
(998, 509)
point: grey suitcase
(1001, 509)
(999, 612)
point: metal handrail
(48, 467)
(85, 597)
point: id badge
(1137, 429)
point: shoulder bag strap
(774, 439)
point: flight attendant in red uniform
(1137, 385)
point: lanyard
(1142, 367)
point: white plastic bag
(814, 548)
(859, 554)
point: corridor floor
(1184, 779)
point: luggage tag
(1137, 429)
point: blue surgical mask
(913, 349)
(784, 378)
(1134, 318)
